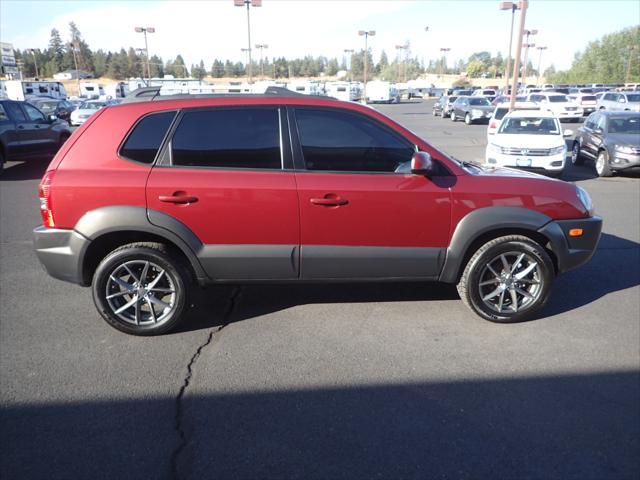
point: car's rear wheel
(602, 164)
(1, 160)
(453, 116)
(576, 155)
(507, 280)
(140, 289)
(467, 119)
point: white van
(382, 92)
(345, 91)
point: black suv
(26, 132)
(611, 139)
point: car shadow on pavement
(32, 169)
(614, 267)
(562, 426)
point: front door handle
(178, 197)
(329, 200)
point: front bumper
(550, 163)
(571, 252)
(622, 161)
(481, 115)
(61, 253)
(574, 114)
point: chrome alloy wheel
(510, 282)
(140, 292)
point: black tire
(576, 154)
(511, 247)
(175, 277)
(467, 119)
(453, 116)
(603, 169)
(1, 160)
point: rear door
(362, 213)
(226, 176)
(8, 129)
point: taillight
(493, 125)
(44, 192)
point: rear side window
(500, 113)
(234, 138)
(146, 137)
(15, 112)
(3, 115)
(343, 141)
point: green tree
(332, 67)
(156, 67)
(383, 63)
(475, 68)
(55, 53)
(217, 69)
(100, 59)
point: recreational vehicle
(23, 90)
(382, 92)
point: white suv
(561, 105)
(621, 101)
(529, 139)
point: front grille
(571, 109)
(529, 152)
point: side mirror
(622, 100)
(422, 164)
(52, 118)
(567, 133)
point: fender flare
(481, 221)
(104, 220)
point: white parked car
(620, 101)
(85, 110)
(588, 101)
(484, 93)
(561, 105)
(529, 139)
(501, 110)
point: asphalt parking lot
(327, 381)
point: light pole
(526, 53)
(444, 60)
(73, 47)
(540, 49)
(35, 60)
(261, 47)
(248, 3)
(248, 52)
(366, 34)
(348, 52)
(146, 30)
(631, 48)
(513, 7)
(516, 68)
(404, 47)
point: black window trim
(296, 146)
(164, 159)
(132, 128)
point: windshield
(589, 98)
(633, 98)
(624, 125)
(558, 99)
(91, 106)
(530, 126)
(47, 106)
(483, 102)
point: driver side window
(33, 113)
(334, 140)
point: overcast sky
(207, 29)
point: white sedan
(84, 111)
(532, 140)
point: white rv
(346, 91)
(307, 88)
(91, 90)
(116, 90)
(382, 92)
(21, 90)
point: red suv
(147, 199)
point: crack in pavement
(235, 294)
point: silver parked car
(471, 109)
(620, 101)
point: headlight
(585, 199)
(475, 112)
(624, 149)
(558, 150)
(494, 148)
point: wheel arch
(110, 227)
(485, 224)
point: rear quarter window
(145, 139)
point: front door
(225, 181)
(37, 136)
(362, 213)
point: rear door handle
(178, 198)
(329, 201)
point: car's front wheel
(507, 280)
(576, 154)
(453, 116)
(602, 164)
(141, 289)
(467, 119)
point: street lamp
(248, 52)
(444, 60)
(35, 60)
(348, 52)
(248, 3)
(513, 7)
(404, 62)
(366, 34)
(261, 47)
(526, 52)
(540, 49)
(523, 5)
(146, 30)
(73, 47)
